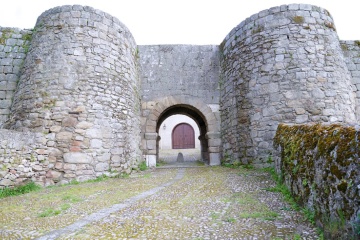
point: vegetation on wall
(320, 165)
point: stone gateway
(79, 98)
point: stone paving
(172, 203)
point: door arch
(183, 136)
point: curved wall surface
(284, 64)
(80, 89)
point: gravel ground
(206, 203)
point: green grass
(281, 188)
(71, 198)
(142, 166)
(29, 187)
(49, 212)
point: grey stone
(77, 157)
(180, 157)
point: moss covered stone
(326, 158)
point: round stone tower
(80, 88)
(282, 65)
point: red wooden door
(183, 136)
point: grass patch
(71, 198)
(281, 188)
(143, 166)
(98, 179)
(215, 215)
(19, 190)
(65, 207)
(49, 212)
(160, 163)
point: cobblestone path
(185, 203)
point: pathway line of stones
(107, 211)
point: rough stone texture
(188, 70)
(285, 65)
(351, 50)
(98, 99)
(14, 44)
(22, 157)
(80, 88)
(181, 79)
(320, 165)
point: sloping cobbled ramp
(107, 211)
(188, 203)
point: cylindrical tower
(283, 64)
(80, 87)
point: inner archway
(206, 118)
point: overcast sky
(180, 21)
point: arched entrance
(155, 112)
(183, 136)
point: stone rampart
(320, 165)
(14, 44)
(284, 64)
(351, 50)
(79, 79)
(24, 157)
(80, 88)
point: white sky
(180, 21)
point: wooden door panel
(183, 136)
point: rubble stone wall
(282, 65)
(14, 44)
(23, 157)
(351, 50)
(320, 165)
(80, 88)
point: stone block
(77, 157)
(214, 142)
(150, 160)
(101, 167)
(64, 136)
(96, 143)
(214, 159)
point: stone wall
(180, 79)
(14, 44)
(284, 64)
(180, 70)
(351, 51)
(23, 156)
(320, 165)
(80, 88)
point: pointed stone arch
(206, 116)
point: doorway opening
(179, 133)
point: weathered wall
(180, 79)
(286, 65)
(320, 165)
(351, 50)
(80, 88)
(23, 156)
(14, 44)
(187, 70)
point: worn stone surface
(204, 203)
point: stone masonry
(97, 99)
